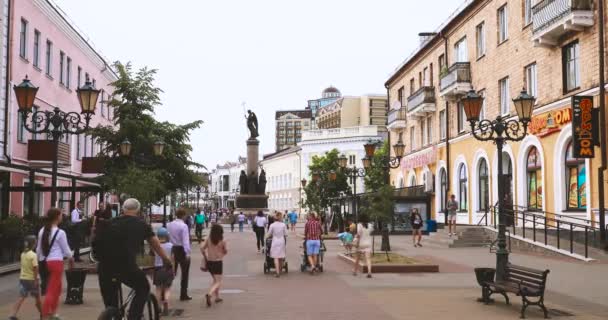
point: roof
(281, 153)
(303, 113)
(331, 89)
(432, 40)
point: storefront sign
(420, 160)
(547, 123)
(584, 127)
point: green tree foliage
(143, 175)
(319, 194)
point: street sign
(585, 130)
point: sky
(273, 55)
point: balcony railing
(336, 133)
(425, 96)
(397, 115)
(553, 18)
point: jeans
(240, 226)
(110, 278)
(259, 235)
(183, 262)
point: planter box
(391, 268)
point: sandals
(208, 298)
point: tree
(319, 194)
(143, 176)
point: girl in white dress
(278, 232)
(363, 244)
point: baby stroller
(269, 261)
(305, 264)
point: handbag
(43, 269)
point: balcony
(40, 153)
(93, 165)
(552, 19)
(421, 103)
(456, 82)
(340, 133)
(397, 118)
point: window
(37, 202)
(461, 117)
(85, 141)
(20, 128)
(444, 188)
(352, 159)
(429, 129)
(34, 110)
(460, 50)
(79, 77)
(571, 70)
(527, 12)
(462, 187)
(23, 39)
(420, 79)
(430, 75)
(102, 102)
(482, 113)
(426, 78)
(483, 186)
(442, 131)
(504, 96)
(412, 138)
(86, 76)
(412, 86)
(535, 182)
(531, 82)
(413, 182)
(61, 65)
(423, 137)
(480, 32)
(36, 58)
(79, 147)
(503, 24)
(49, 57)
(441, 62)
(576, 181)
(68, 72)
(94, 83)
(401, 96)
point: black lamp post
(56, 123)
(199, 189)
(389, 162)
(500, 131)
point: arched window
(462, 187)
(413, 181)
(576, 181)
(444, 187)
(483, 185)
(424, 179)
(535, 181)
(401, 185)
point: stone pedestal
(253, 155)
(252, 202)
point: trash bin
(431, 225)
(75, 280)
(484, 275)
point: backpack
(108, 244)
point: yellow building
(497, 48)
(346, 112)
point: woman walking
(363, 245)
(259, 226)
(52, 249)
(416, 221)
(278, 232)
(214, 249)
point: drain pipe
(447, 136)
(602, 168)
(7, 88)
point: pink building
(44, 45)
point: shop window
(576, 181)
(535, 185)
(462, 187)
(483, 185)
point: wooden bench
(524, 282)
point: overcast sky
(271, 54)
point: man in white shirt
(179, 235)
(76, 218)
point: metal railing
(397, 115)
(421, 96)
(550, 229)
(458, 72)
(547, 12)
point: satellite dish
(396, 105)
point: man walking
(179, 235)
(312, 235)
(76, 219)
(213, 218)
(199, 223)
(232, 220)
(452, 209)
(241, 220)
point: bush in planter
(11, 231)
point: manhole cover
(231, 291)
(560, 313)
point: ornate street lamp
(342, 161)
(56, 123)
(303, 182)
(159, 146)
(125, 148)
(500, 131)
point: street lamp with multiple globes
(389, 162)
(500, 131)
(56, 123)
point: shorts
(215, 267)
(163, 277)
(27, 288)
(313, 247)
(416, 226)
(452, 216)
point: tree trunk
(386, 244)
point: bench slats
(533, 271)
(526, 280)
(539, 276)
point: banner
(584, 127)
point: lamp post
(198, 195)
(56, 123)
(499, 131)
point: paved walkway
(574, 288)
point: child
(347, 241)
(163, 276)
(28, 280)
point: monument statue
(252, 124)
(243, 182)
(262, 183)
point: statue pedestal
(252, 201)
(253, 155)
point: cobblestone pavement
(336, 294)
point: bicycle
(151, 308)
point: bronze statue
(243, 182)
(262, 183)
(252, 124)
(252, 181)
